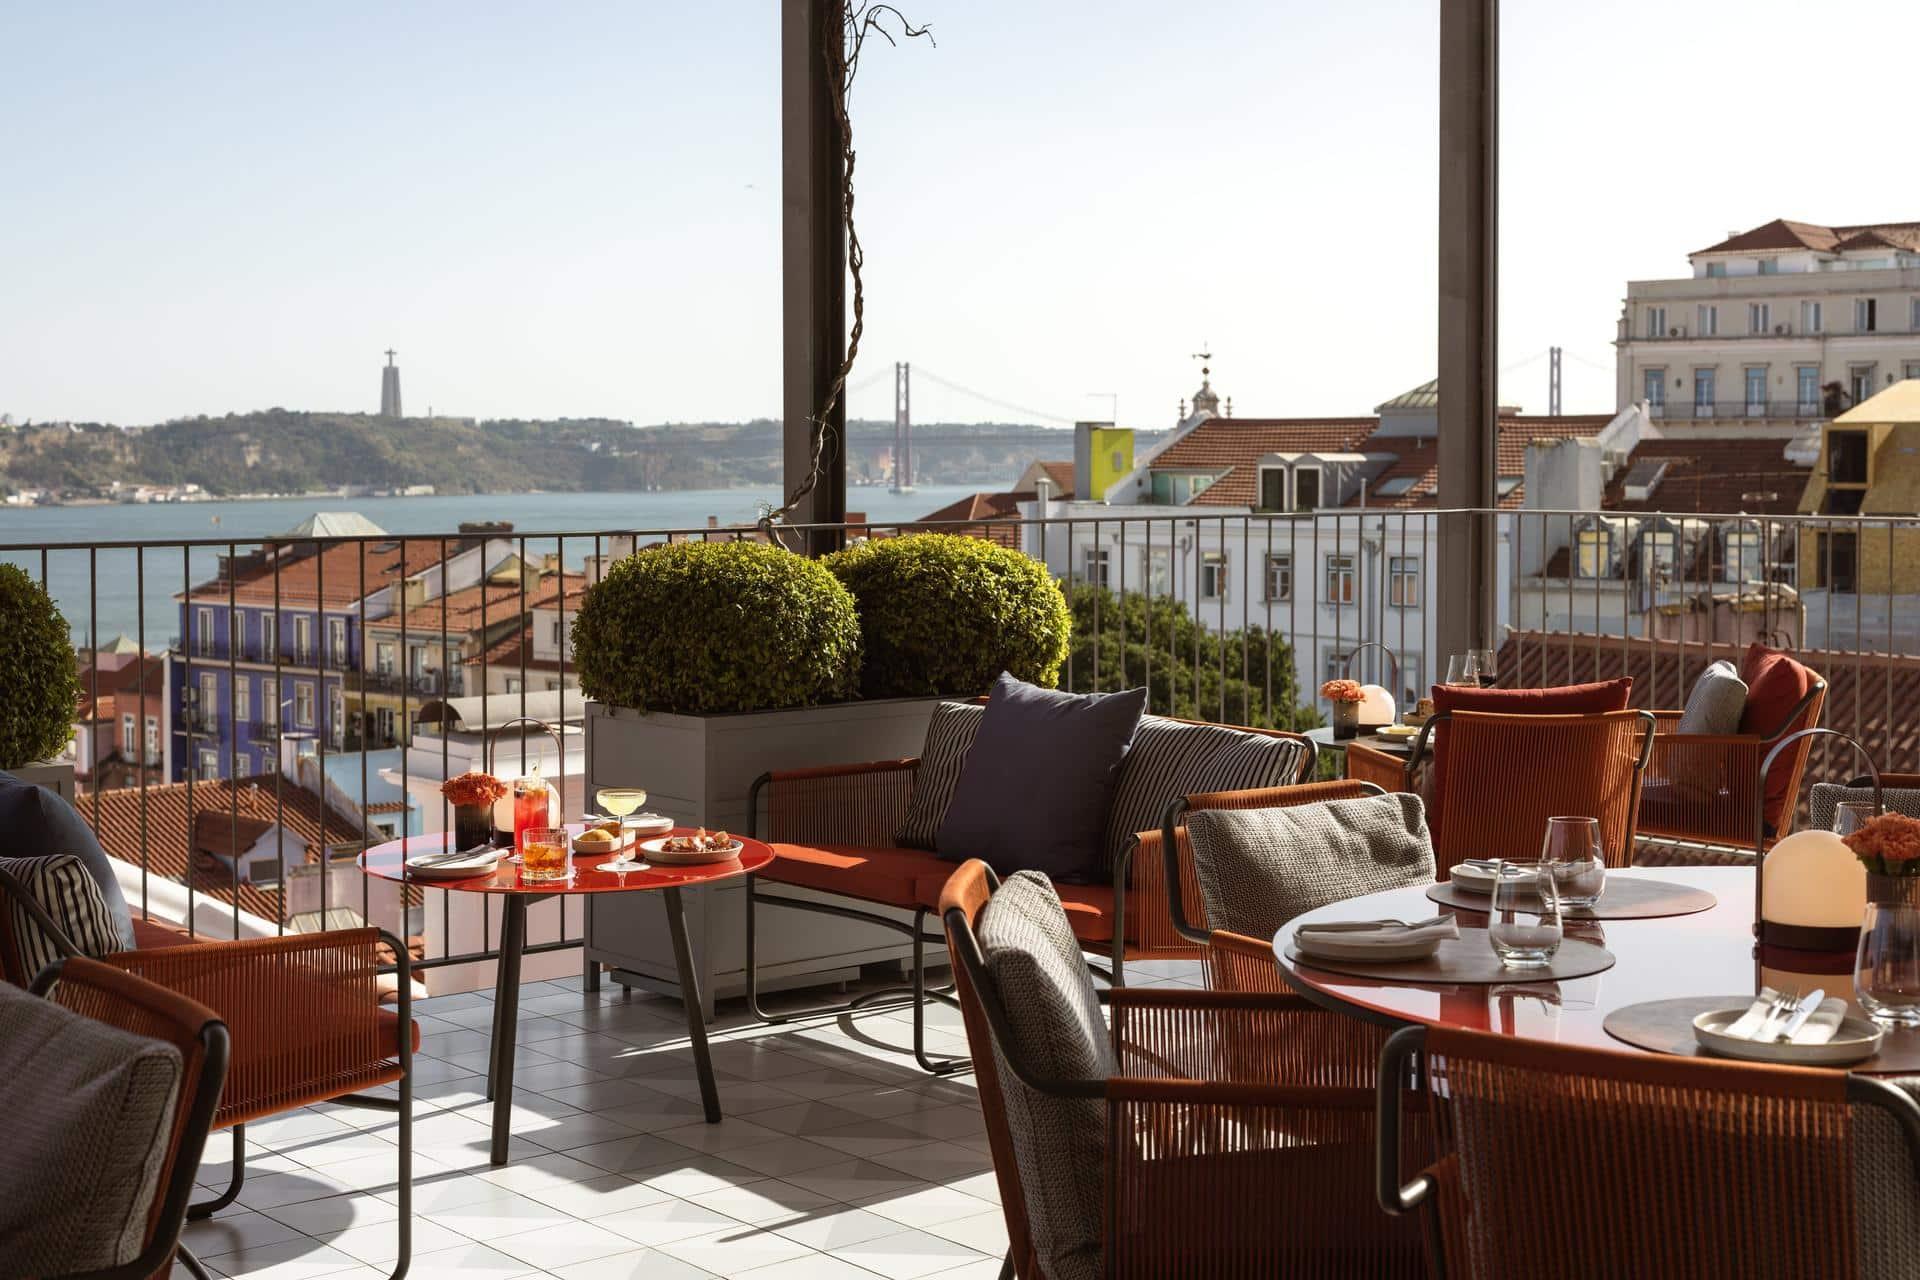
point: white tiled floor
(837, 1157)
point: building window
(1159, 572)
(153, 738)
(1335, 667)
(209, 699)
(269, 636)
(1093, 566)
(1756, 392)
(302, 639)
(1340, 579)
(1709, 318)
(270, 704)
(1860, 378)
(1913, 314)
(128, 743)
(203, 632)
(1273, 488)
(1703, 393)
(1654, 382)
(1759, 317)
(1213, 575)
(1280, 576)
(242, 764)
(242, 700)
(1769, 266)
(1811, 320)
(1715, 270)
(237, 634)
(1740, 560)
(1806, 383)
(1593, 553)
(1306, 488)
(560, 632)
(209, 764)
(1658, 554)
(383, 657)
(1656, 322)
(1403, 581)
(1911, 369)
(303, 704)
(513, 684)
(337, 640)
(336, 715)
(1866, 315)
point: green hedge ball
(39, 693)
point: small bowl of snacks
(701, 846)
(599, 838)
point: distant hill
(289, 451)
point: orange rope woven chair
(304, 1015)
(118, 999)
(1507, 774)
(1213, 1151)
(1565, 1161)
(1377, 768)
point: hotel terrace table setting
(1691, 984)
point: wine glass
(1524, 924)
(1464, 669)
(621, 801)
(1572, 849)
(1485, 665)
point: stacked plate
(1854, 1040)
(444, 865)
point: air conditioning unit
(1674, 332)
(1781, 329)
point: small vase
(1887, 966)
(472, 825)
(1346, 720)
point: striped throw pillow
(1170, 759)
(949, 738)
(65, 890)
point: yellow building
(1869, 467)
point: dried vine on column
(858, 21)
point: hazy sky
(573, 209)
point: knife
(1800, 1014)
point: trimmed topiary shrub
(38, 691)
(712, 627)
(942, 614)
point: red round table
(388, 862)
(1708, 953)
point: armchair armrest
(303, 1010)
(835, 804)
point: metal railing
(1222, 615)
(1737, 410)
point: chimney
(1563, 474)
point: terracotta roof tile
(335, 570)
(1782, 234)
(995, 513)
(1713, 476)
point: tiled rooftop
(836, 1157)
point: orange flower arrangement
(473, 789)
(1342, 691)
(1888, 844)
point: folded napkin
(1381, 933)
(1820, 1027)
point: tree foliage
(39, 693)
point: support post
(1467, 581)
(813, 262)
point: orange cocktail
(546, 855)
(530, 809)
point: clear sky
(573, 209)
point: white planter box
(699, 770)
(55, 775)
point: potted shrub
(943, 614)
(39, 693)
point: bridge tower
(902, 427)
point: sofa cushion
(1170, 759)
(888, 876)
(1718, 702)
(1038, 785)
(1056, 1030)
(1776, 684)
(89, 1120)
(949, 736)
(38, 823)
(1259, 868)
(63, 888)
(1089, 908)
(1559, 700)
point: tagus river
(97, 592)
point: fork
(1783, 1003)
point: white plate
(1331, 946)
(1472, 880)
(656, 850)
(1856, 1038)
(1397, 731)
(480, 864)
(643, 822)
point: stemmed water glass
(1524, 925)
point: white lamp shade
(1811, 879)
(1376, 705)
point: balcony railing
(1222, 616)
(1738, 410)
(420, 683)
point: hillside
(288, 451)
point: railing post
(813, 265)
(1468, 289)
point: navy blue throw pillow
(1039, 779)
(37, 823)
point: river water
(96, 590)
